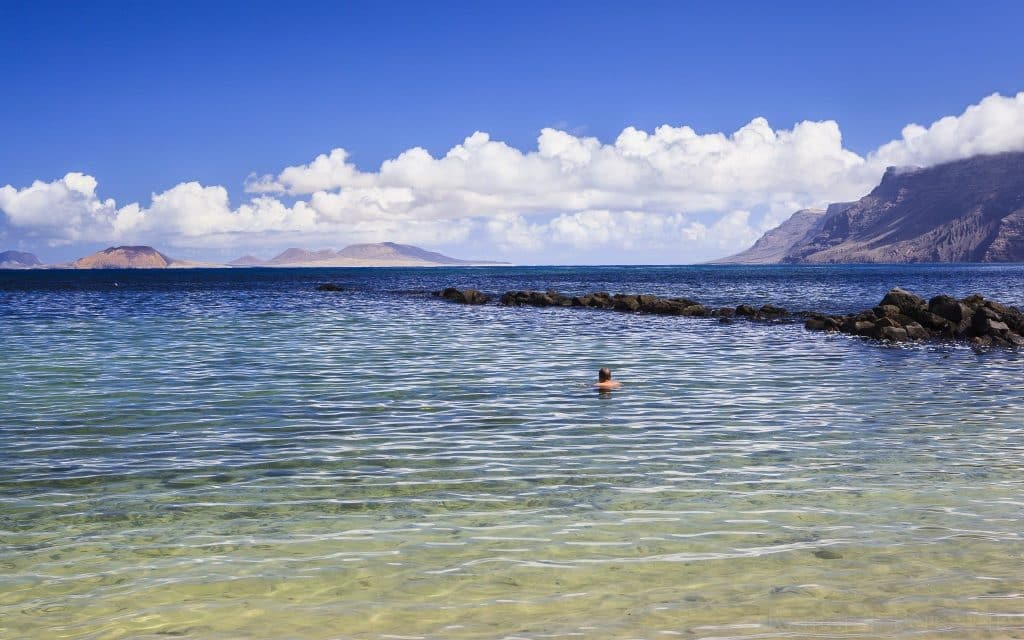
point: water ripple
(208, 454)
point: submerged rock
(463, 296)
(603, 300)
(827, 554)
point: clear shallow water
(216, 454)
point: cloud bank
(672, 191)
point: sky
(532, 132)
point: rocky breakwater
(903, 316)
(640, 303)
(603, 300)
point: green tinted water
(401, 468)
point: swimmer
(604, 380)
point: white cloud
(512, 232)
(63, 211)
(672, 168)
(325, 172)
(686, 194)
(994, 125)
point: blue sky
(144, 96)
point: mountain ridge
(771, 247)
(969, 210)
(381, 254)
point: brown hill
(295, 256)
(138, 257)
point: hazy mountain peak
(773, 246)
(18, 260)
(378, 254)
(247, 261)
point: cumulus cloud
(671, 168)
(689, 195)
(325, 172)
(65, 210)
(994, 125)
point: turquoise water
(234, 455)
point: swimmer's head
(604, 375)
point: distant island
(18, 260)
(384, 254)
(135, 257)
(969, 210)
(381, 254)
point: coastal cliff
(773, 246)
(968, 210)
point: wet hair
(604, 375)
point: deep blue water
(827, 288)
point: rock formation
(464, 296)
(901, 316)
(640, 303)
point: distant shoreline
(715, 265)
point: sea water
(233, 454)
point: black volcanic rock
(968, 210)
(463, 296)
(18, 260)
(903, 316)
(903, 300)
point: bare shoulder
(608, 384)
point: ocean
(234, 454)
